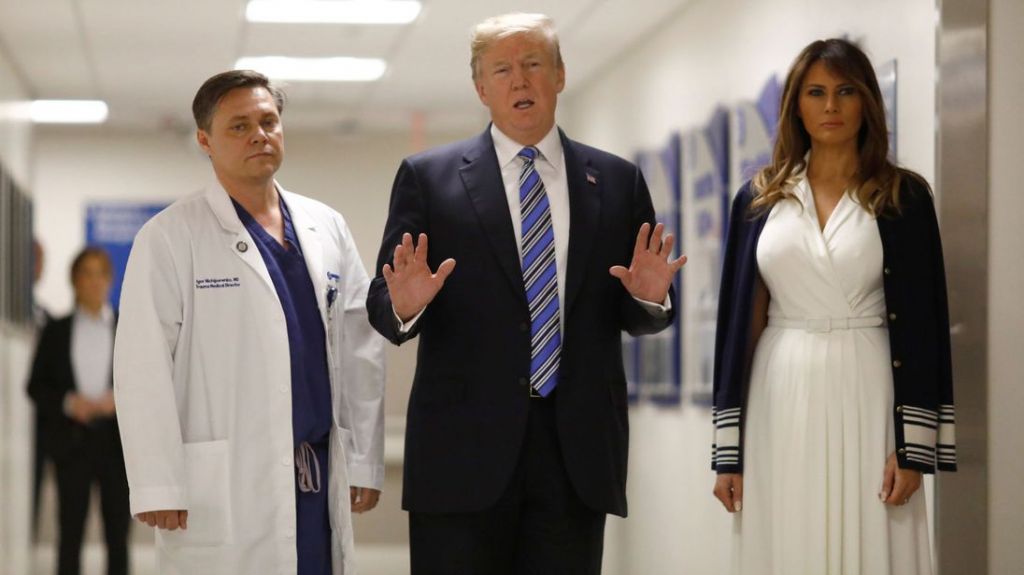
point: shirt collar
(550, 147)
(106, 315)
(801, 188)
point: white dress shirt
(92, 351)
(550, 165)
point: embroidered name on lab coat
(209, 283)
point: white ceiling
(146, 58)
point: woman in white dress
(833, 388)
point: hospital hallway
(98, 135)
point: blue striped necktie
(539, 277)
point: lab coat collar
(242, 244)
(239, 242)
(220, 203)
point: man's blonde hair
(498, 27)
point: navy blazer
(914, 280)
(470, 396)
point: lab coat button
(286, 460)
(283, 388)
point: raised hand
(410, 282)
(650, 273)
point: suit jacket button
(899, 409)
(897, 363)
(902, 451)
(892, 317)
(887, 271)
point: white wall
(1006, 284)
(78, 165)
(719, 51)
(15, 130)
(15, 350)
(715, 52)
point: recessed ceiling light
(337, 69)
(68, 111)
(333, 11)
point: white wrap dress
(819, 423)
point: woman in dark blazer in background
(71, 385)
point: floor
(371, 559)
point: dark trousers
(94, 458)
(538, 527)
(39, 459)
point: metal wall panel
(962, 186)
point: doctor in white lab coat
(203, 375)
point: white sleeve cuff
(406, 327)
(366, 475)
(146, 499)
(655, 309)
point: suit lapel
(584, 182)
(64, 347)
(481, 175)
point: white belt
(825, 324)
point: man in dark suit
(71, 385)
(516, 437)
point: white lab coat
(202, 382)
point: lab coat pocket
(338, 494)
(208, 470)
(338, 486)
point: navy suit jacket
(470, 396)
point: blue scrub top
(311, 384)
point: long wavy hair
(877, 180)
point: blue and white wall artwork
(653, 362)
(112, 226)
(705, 196)
(754, 123)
